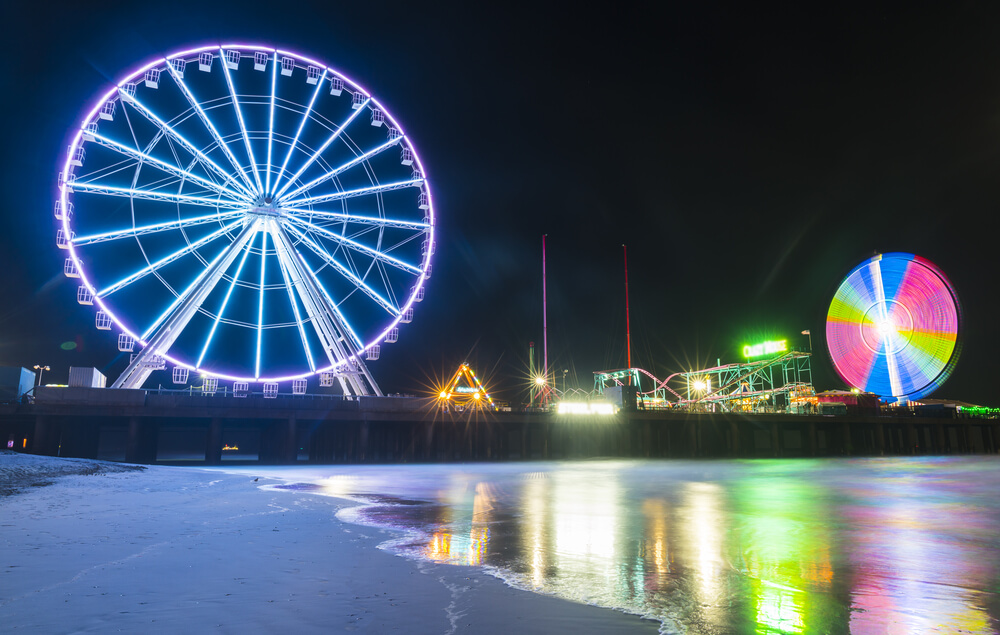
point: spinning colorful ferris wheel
(248, 213)
(893, 327)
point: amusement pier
(251, 227)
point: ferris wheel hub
(266, 211)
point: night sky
(749, 158)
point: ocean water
(888, 546)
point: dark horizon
(749, 157)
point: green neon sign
(765, 348)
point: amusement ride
(893, 327)
(246, 213)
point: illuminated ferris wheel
(248, 213)
(893, 327)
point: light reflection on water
(812, 546)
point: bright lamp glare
(540, 380)
(443, 394)
(592, 408)
(699, 385)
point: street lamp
(40, 369)
(809, 333)
(565, 372)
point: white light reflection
(655, 547)
(586, 511)
(340, 486)
(702, 510)
(535, 498)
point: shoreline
(171, 548)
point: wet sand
(89, 547)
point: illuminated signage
(765, 348)
(466, 389)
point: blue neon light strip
(286, 276)
(171, 132)
(347, 273)
(340, 169)
(302, 124)
(167, 260)
(166, 167)
(208, 124)
(361, 220)
(186, 292)
(151, 195)
(322, 148)
(336, 196)
(270, 125)
(156, 227)
(260, 309)
(333, 306)
(373, 253)
(239, 118)
(225, 302)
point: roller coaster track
(719, 393)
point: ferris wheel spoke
(342, 319)
(181, 173)
(319, 305)
(202, 285)
(225, 301)
(151, 195)
(179, 138)
(260, 306)
(321, 150)
(156, 227)
(302, 124)
(364, 191)
(287, 266)
(360, 220)
(347, 273)
(145, 271)
(350, 164)
(270, 125)
(209, 125)
(239, 118)
(347, 242)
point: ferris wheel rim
(77, 142)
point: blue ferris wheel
(247, 213)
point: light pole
(565, 372)
(809, 333)
(40, 369)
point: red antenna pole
(545, 325)
(628, 331)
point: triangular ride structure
(465, 389)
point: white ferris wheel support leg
(336, 338)
(290, 288)
(185, 309)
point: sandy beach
(102, 547)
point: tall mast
(545, 322)
(628, 331)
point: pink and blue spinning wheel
(892, 328)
